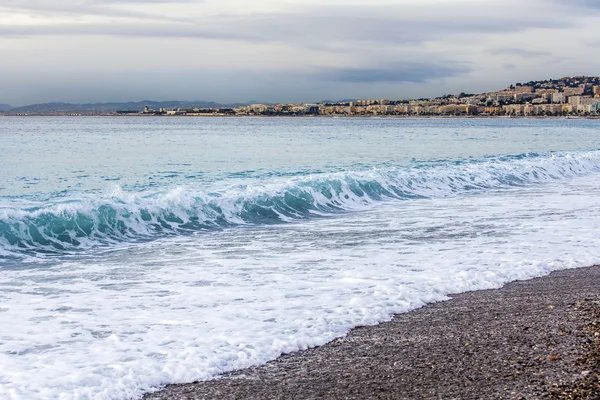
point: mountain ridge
(95, 108)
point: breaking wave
(81, 223)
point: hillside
(104, 108)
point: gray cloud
(144, 30)
(144, 1)
(297, 51)
(308, 26)
(406, 72)
(508, 51)
(575, 4)
(83, 8)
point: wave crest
(120, 216)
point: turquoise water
(136, 252)
(45, 157)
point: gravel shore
(531, 339)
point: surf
(84, 221)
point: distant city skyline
(565, 96)
(283, 51)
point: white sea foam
(118, 322)
(86, 221)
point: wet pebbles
(533, 339)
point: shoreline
(528, 339)
(575, 117)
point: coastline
(529, 339)
(308, 116)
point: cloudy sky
(287, 50)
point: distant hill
(102, 108)
(587, 86)
(335, 101)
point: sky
(286, 50)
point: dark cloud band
(407, 72)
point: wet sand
(530, 339)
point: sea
(136, 252)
